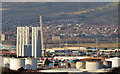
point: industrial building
(27, 50)
(22, 39)
(36, 42)
(3, 37)
(24, 48)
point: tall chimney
(42, 43)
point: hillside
(88, 13)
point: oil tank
(1, 64)
(7, 62)
(80, 65)
(16, 63)
(115, 62)
(92, 66)
(31, 63)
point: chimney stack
(42, 43)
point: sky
(59, 0)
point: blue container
(70, 61)
(51, 64)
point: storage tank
(31, 63)
(80, 65)
(1, 62)
(115, 62)
(7, 62)
(92, 66)
(16, 63)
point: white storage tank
(16, 63)
(115, 62)
(31, 63)
(92, 66)
(1, 62)
(7, 62)
(80, 65)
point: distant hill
(88, 13)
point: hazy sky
(59, 0)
